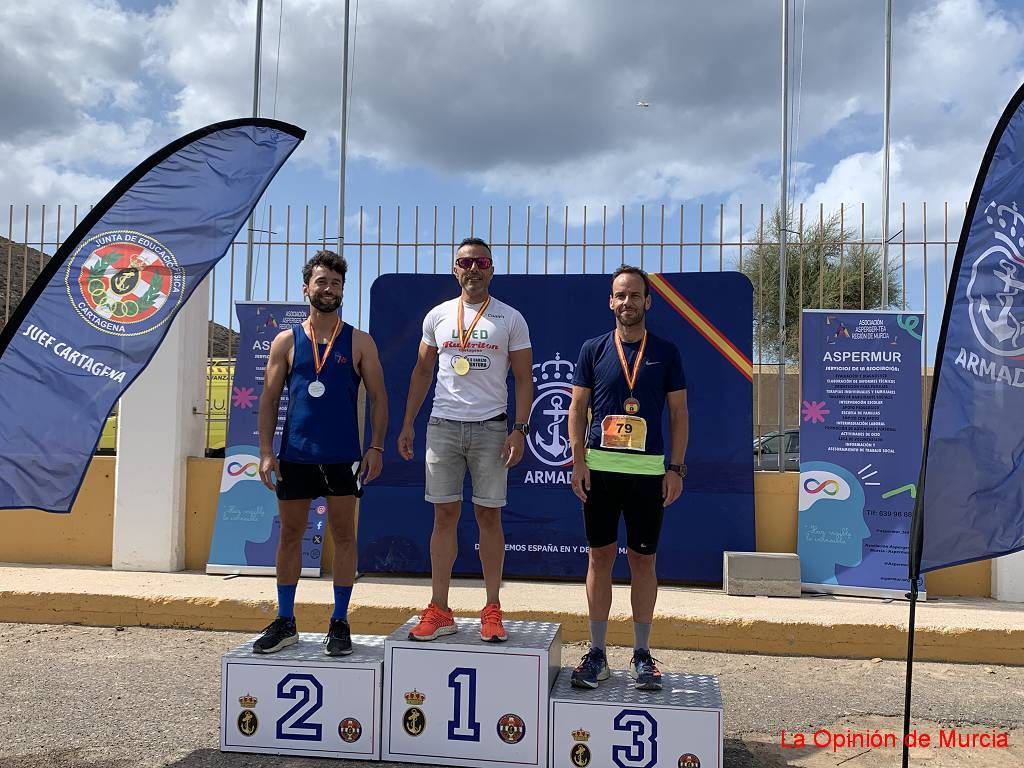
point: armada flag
(97, 313)
(972, 502)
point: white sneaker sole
(283, 644)
(437, 633)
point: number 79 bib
(620, 432)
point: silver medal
(316, 388)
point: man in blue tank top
(322, 362)
(625, 378)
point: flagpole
(885, 154)
(344, 138)
(910, 671)
(784, 223)
(255, 113)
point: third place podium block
(457, 700)
(617, 725)
(300, 702)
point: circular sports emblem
(511, 728)
(580, 755)
(350, 730)
(995, 292)
(124, 283)
(689, 760)
(414, 721)
(247, 722)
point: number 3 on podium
(463, 726)
(643, 752)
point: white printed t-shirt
(483, 392)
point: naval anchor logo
(414, 720)
(247, 720)
(124, 283)
(549, 424)
(995, 292)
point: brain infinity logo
(829, 487)
(249, 470)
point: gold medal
(631, 405)
(460, 365)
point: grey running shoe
(643, 670)
(338, 640)
(592, 670)
(280, 633)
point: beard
(630, 321)
(326, 305)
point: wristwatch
(521, 426)
(679, 469)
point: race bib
(624, 433)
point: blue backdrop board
(247, 527)
(707, 315)
(860, 449)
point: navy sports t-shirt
(599, 370)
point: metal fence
(540, 240)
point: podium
(679, 726)
(300, 702)
(457, 700)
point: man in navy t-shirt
(625, 378)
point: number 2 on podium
(463, 726)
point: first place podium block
(460, 701)
(300, 702)
(617, 725)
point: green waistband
(628, 463)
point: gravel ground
(93, 697)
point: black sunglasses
(467, 262)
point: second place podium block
(457, 700)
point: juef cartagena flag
(972, 502)
(97, 313)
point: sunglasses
(467, 262)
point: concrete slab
(764, 574)
(977, 630)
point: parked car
(766, 450)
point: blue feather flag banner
(97, 313)
(972, 480)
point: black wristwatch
(679, 469)
(521, 426)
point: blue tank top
(325, 429)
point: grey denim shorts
(453, 447)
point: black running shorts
(311, 481)
(636, 497)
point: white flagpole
(783, 224)
(255, 113)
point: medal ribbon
(464, 336)
(630, 375)
(318, 362)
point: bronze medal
(631, 406)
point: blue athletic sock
(286, 601)
(341, 597)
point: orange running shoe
(491, 629)
(434, 622)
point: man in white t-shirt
(473, 340)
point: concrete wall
(84, 537)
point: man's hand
(405, 439)
(671, 487)
(270, 471)
(512, 451)
(580, 480)
(373, 462)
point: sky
(519, 103)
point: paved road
(90, 697)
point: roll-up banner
(247, 527)
(860, 449)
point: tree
(828, 268)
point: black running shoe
(592, 670)
(338, 640)
(643, 670)
(280, 633)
